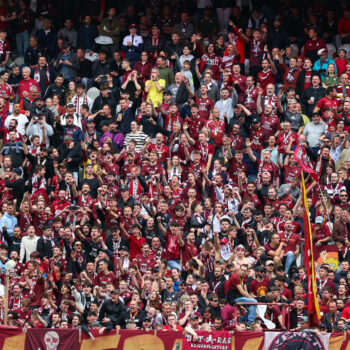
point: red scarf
(37, 75)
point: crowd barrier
(13, 338)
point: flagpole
(309, 256)
(6, 301)
(323, 198)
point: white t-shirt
(21, 119)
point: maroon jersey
(320, 233)
(57, 206)
(257, 140)
(152, 169)
(235, 168)
(39, 221)
(145, 262)
(228, 61)
(162, 151)
(291, 172)
(259, 288)
(195, 125)
(188, 252)
(85, 201)
(265, 78)
(125, 172)
(101, 278)
(205, 150)
(326, 102)
(205, 105)
(24, 220)
(251, 98)
(270, 125)
(271, 168)
(256, 49)
(290, 241)
(241, 80)
(110, 220)
(6, 91)
(236, 141)
(217, 130)
(284, 139)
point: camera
(36, 118)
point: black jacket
(75, 154)
(44, 248)
(317, 94)
(299, 89)
(115, 312)
(101, 101)
(53, 89)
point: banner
(13, 338)
(52, 339)
(313, 307)
(304, 162)
(296, 341)
(326, 254)
(208, 340)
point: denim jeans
(290, 258)
(22, 42)
(174, 264)
(252, 308)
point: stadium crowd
(147, 177)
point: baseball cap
(124, 248)
(224, 241)
(259, 269)
(269, 262)
(319, 220)
(229, 187)
(321, 52)
(194, 317)
(133, 25)
(304, 319)
(255, 120)
(115, 291)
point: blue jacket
(317, 66)
(10, 221)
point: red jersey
(251, 98)
(24, 85)
(145, 262)
(320, 233)
(284, 139)
(326, 102)
(269, 125)
(257, 140)
(205, 105)
(188, 252)
(265, 78)
(57, 206)
(195, 125)
(162, 151)
(205, 150)
(290, 173)
(152, 169)
(6, 91)
(242, 83)
(217, 130)
(135, 245)
(259, 288)
(290, 241)
(271, 168)
(101, 278)
(236, 141)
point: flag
(208, 340)
(304, 162)
(52, 339)
(313, 308)
(296, 341)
